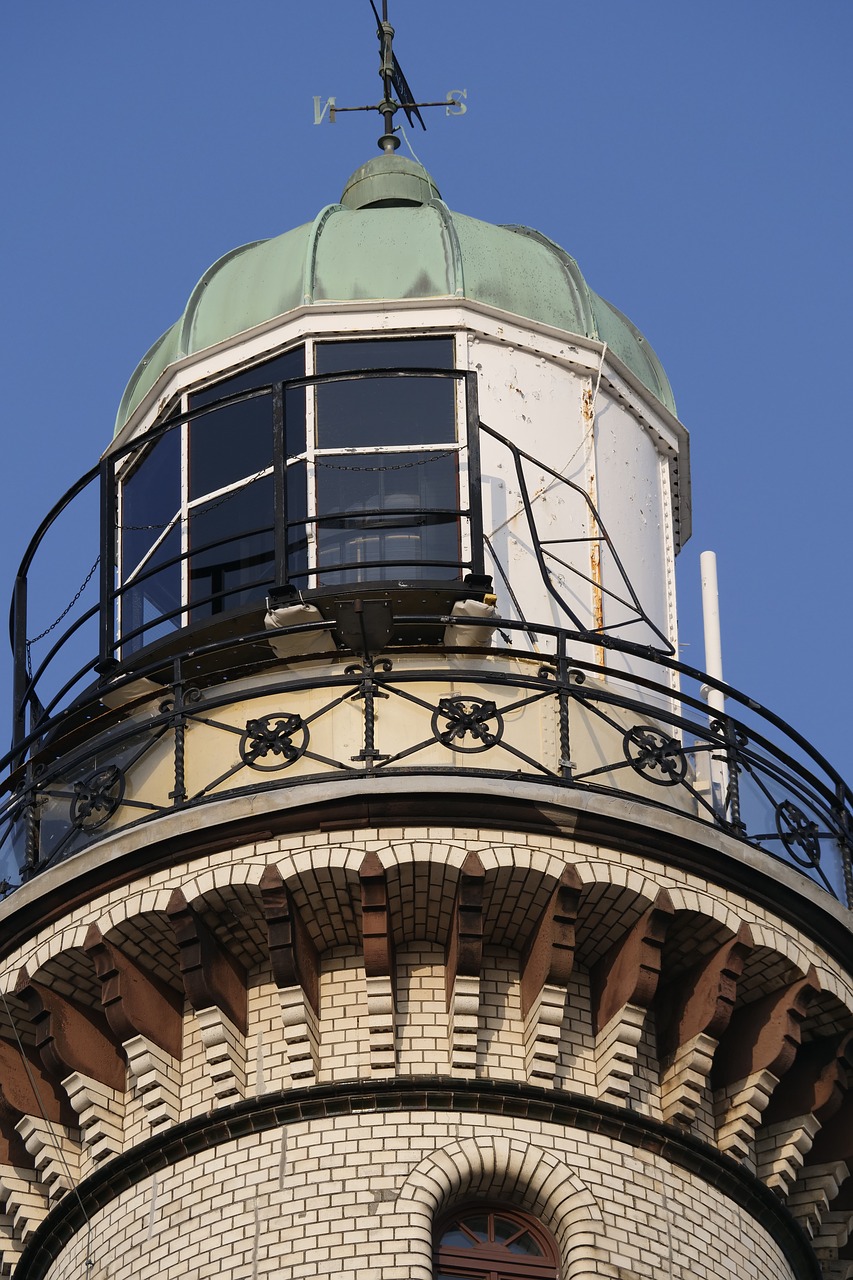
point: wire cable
(72, 1183)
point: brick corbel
(215, 985)
(623, 985)
(135, 1001)
(546, 967)
(56, 1154)
(834, 1269)
(832, 1150)
(378, 942)
(23, 1200)
(692, 1014)
(296, 971)
(10, 1247)
(100, 1112)
(757, 1050)
(809, 1095)
(464, 962)
(18, 1097)
(70, 1037)
(813, 1193)
(833, 1243)
(156, 1079)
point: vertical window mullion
(475, 489)
(184, 512)
(279, 462)
(119, 618)
(109, 533)
(312, 532)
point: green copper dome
(392, 237)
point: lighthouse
(384, 897)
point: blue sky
(695, 159)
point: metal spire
(392, 77)
(396, 92)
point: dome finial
(388, 65)
(397, 93)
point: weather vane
(393, 82)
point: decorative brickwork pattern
(452, 918)
(155, 1079)
(358, 1197)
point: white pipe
(711, 623)
(718, 773)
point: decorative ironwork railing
(178, 738)
(98, 748)
(156, 571)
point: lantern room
(401, 456)
(386, 397)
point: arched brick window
(490, 1242)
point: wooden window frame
(489, 1261)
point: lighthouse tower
(384, 898)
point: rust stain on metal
(588, 413)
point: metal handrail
(816, 809)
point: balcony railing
(116, 724)
(174, 735)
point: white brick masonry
(358, 1197)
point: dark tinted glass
(389, 516)
(387, 482)
(385, 411)
(400, 548)
(297, 530)
(458, 1238)
(151, 498)
(384, 353)
(157, 592)
(478, 1225)
(516, 1240)
(294, 421)
(525, 1244)
(235, 441)
(232, 550)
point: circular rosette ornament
(654, 755)
(273, 742)
(467, 724)
(97, 797)
(798, 834)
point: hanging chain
(64, 614)
(205, 507)
(420, 461)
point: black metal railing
(629, 719)
(42, 686)
(615, 732)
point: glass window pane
(387, 516)
(290, 364)
(385, 411)
(524, 1244)
(457, 1238)
(294, 421)
(157, 592)
(232, 550)
(478, 1225)
(151, 497)
(381, 482)
(384, 353)
(297, 529)
(230, 443)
